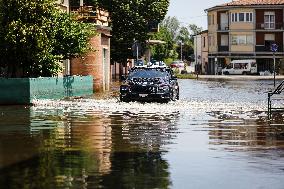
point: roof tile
(254, 2)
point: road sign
(274, 47)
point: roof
(255, 2)
(249, 3)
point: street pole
(216, 64)
(274, 68)
(181, 50)
(136, 52)
(274, 48)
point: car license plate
(143, 95)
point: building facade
(95, 63)
(245, 30)
(63, 5)
(201, 52)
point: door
(224, 21)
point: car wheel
(177, 97)
(244, 73)
(226, 73)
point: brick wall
(92, 63)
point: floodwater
(216, 136)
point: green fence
(25, 90)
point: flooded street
(216, 136)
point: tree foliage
(164, 51)
(178, 35)
(35, 35)
(130, 21)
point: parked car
(177, 64)
(150, 84)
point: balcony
(84, 12)
(263, 48)
(269, 26)
(223, 48)
(91, 14)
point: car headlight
(124, 88)
(164, 88)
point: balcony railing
(223, 48)
(269, 26)
(263, 48)
(84, 12)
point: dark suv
(149, 84)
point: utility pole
(181, 50)
(274, 69)
(274, 48)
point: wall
(93, 62)
(25, 90)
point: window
(211, 19)
(241, 17)
(249, 39)
(269, 37)
(269, 20)
(204, 41)
(242, 40)
(210, 40)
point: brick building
(96, 63)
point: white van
(241, 67)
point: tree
(164, 51)
(130, 21)
(35, 36)
(194, 29)
(173, 25)
(187, 44)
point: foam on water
(113, 105)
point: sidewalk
(241, 77)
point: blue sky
(192, 11)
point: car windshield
(148, 73)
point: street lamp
(181, 49)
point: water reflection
(216, 136)
(251, 131)
(77, 147)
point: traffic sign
(274, 47)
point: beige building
(63, 4)
(245, 30)
(201, 52)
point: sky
(192, 11)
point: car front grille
(143, 89)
